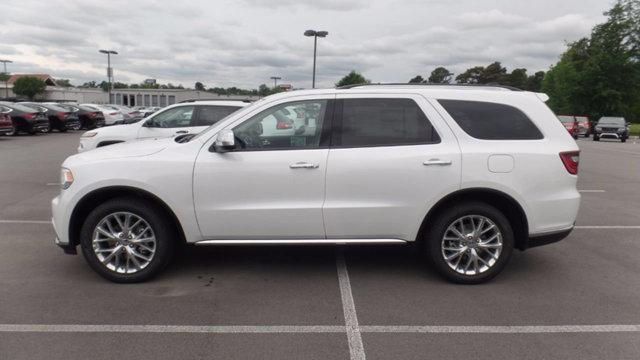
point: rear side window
(209, 115)
(491, 121)
(383, 122)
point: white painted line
(502, 329)
(591, 191)
(48, 222)
(53, 184)
(322, 329)
(170, 329)
(356, 348)
(607, 227)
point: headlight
(66, 178)
(89, 134)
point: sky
(245, 42)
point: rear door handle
(436, 162)
(304, 165)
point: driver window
(295, 125)
(175, 117)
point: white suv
(178, 119)
(469, 173)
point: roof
(44, 77)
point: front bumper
(6, 130)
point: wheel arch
(96, 197)
(502, 201)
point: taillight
(571, 159)
(113, 113)
(93, 114)
(283, 125)
(29, 116)
(62, 115)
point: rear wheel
(127, 240)
(596, 138)
(623, 139)
(470, 243)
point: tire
(495, 226)
(595, 137)
(623, 139)
(123, 266)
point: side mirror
(226, 141)
(149, 123)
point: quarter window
(295, 125)
(491, 121)
(175, 117)
(209, 115)
(383, 122)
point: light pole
(275, 81)
(6, 82)
(109, 70)
(316, 35)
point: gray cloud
(243, 43)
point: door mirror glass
(226, 141)
(149, 123)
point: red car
(571, 124)
(584, 125)
(6, 125)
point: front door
(271, 186)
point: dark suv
(60, 118)
(611, 128)
(27, 119)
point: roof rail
(196, 100)
(493, 85)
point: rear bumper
(547, 238)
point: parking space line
(25, 222)
(591, 191)
(356, 348)
(62, 328)
(502, 329)
(607, 227)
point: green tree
(353, 78)
(470, 76)
(89, 84)
(417, 80)
(199, 86)
(104, 86)
(518, 78)
(64, 83)
(263, 90)
(440, 76)
(534, 82)
(4, 77)
(29, 86)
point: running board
(303, 242)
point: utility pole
(109, 71)
(275, 81)
(316, 35)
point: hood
(128, 149)
(129, 130)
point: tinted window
(175, 117)
(491, 121)
(209, 115)
(295, 125)
(383, 122)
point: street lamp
(6, 82)
(109, 70)
(275, 81)
(316, 35)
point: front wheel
(470, 243)
(596, 138)
(127, 240)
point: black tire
(160, 223)
(624, 139)
(595, 137)
(438, 227)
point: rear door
(391, 159)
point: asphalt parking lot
(577, 299)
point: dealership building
(129, 97)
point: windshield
(566, 119)
(612, 121)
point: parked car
(26, 119)
(6, 125)
(571, 124)
(90, 118)
(111, 116)
(609, 127)
(179, 119)
(584, 126)
(59, 118)
(470, 173)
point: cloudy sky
(244, 42)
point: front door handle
(436, 162)
(182, 132)
(304, 165)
